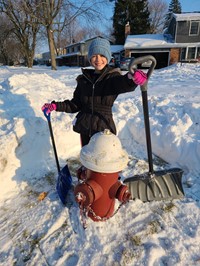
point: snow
(116, 48)
(148, 41)
(187, 16)
(145, 40)
(45, 232)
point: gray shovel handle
(140, 60)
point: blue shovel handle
(64, 178)
(48, 117)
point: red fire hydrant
(103, 159)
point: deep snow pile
(46, 233)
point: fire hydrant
(103, 158)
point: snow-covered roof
(187, 16)
(67, 55)
(116, 48)
(144, 41)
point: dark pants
(84, 139)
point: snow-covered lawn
(34, 232)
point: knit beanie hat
(99, 46)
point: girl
(96, 92)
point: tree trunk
(51, 48)
(29, 52)
(30, 62)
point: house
(43, 58)
(179, 43)
(185, 29)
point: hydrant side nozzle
(123, 194)
(84, 194)
(88, 192)
(114, 189)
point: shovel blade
(162, 185)
(63, 185)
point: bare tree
(158, 10)
(56, 15)
(10, 47)
(25, 26)
(75, 33)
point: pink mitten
(48, 107)
(139, 77)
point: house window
(191, 53)
(78, 48)
(183, 53)
(198, 53)
(194, 28)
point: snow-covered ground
(45, 232)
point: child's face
(98, 61)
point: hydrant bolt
(80, 197)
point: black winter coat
(93, 99)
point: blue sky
(189, 5)
(186, 5)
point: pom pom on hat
(99, 46)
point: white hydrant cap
(104, 153)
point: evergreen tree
(174, 7)
(134, 12)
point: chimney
(127, 29)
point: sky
(187, 6)
(47, 233)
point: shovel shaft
(64, 178)
(147, 130)
(54, 145)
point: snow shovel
(64, 179)
(159, 185)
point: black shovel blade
(161, 185)
(63, 185)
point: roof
(187, 16)
(67, 55)
(84, 41)
(116, 48)
(144, 41)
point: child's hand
(139, 77)
(48, 108)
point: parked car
(112, 62)
(124, 63)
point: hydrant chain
(102, 219)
